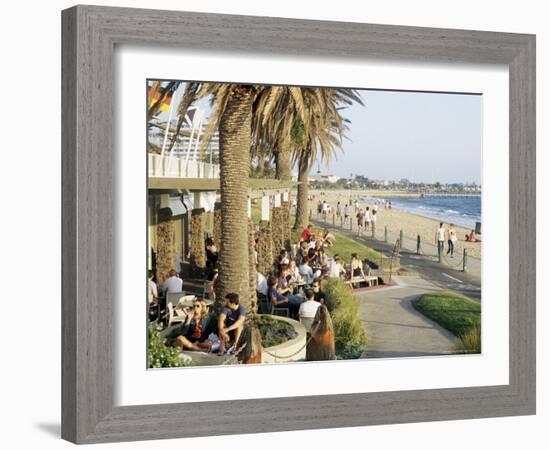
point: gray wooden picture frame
(89, 36)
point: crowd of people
(365, 217)
(294, 285)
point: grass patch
(345, 246)
(457, 313)
(349, 335)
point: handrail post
(465, 260)
(418, 244)
(386, 233)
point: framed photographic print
(312, 223)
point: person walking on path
(367, 219)
(346, 213)
(451, 240)
(360, 221)
(440, 238)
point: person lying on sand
(472, 237)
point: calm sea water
(464, 211)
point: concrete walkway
(395, 329)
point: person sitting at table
(306, 271)
(323, 262)
(280, 300)
(283, 257)
(303, 251)
(283, 284)
(196, 329)
(173, 283)
(308, 309)
(294, 273)
(319, 295)
(231, 322)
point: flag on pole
(165, 104)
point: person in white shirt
(336, 268)
(451, 240)
(440, 237)
(261, 284)
(367, 218)
(308, 309)
(173, 283)
(306, 271)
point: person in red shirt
(306, 234)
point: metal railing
(177, 167)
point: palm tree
(297, 123)
(322, 137)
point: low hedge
(350, 337)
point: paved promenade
(395, 328)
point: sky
(424, 137)
(420, 136)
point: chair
(207, 290)
(176, 297)
(280, 309)
(263, 303)
(174, 315)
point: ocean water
(463, 211)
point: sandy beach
(396, 220)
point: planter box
(291, 350)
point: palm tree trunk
(166, 232)
(234, 132)
(252, 271)
(302, 213)
(217, 229)
(282, 161)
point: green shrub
(161, 355)
(349, 334)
